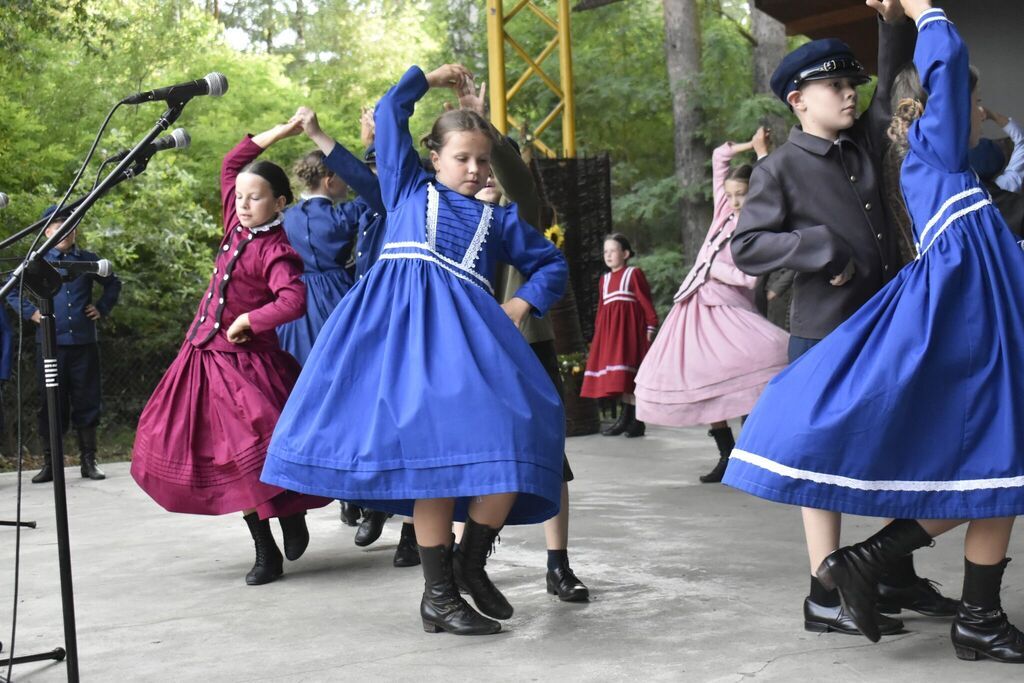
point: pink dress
(715, 352)
(203, 435)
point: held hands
(516, 309)
(891, 10)
(843, 277)
(279, 132)
(310, 125)
(761, 141)
(367, 127)
(92, 313)
(471, 99)
(452, 76)
(240, 331)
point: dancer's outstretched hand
(473, 100)
(306, 118)
(449, 76)
(889, 10)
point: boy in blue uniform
(78, 357)
(815, 206)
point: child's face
(614, 255)
(977, 116)
(464, 162)
(490, 192)
(255, 200)
(827, 106)
(736, 192)
(69, 240)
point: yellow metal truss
(500, 94)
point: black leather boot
(296, 535)
(371, 528)
(442, 608)
(619, 426)
(981, 628)
(407, 553)
(45, 473)
(725, 442)
(856, 569)
(87, 454)
(564, 583)
(469, 562)
(903, 589)
(269, 564)
(635, 427)
(825, 619)
(350, 513)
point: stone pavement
(690, 582)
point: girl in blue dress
(458, 418)
(322, 231)
(911, 409)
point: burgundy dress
(625, 315)
(203, 435)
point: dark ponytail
(275, 176)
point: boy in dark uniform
(78, 357)
(816, 206)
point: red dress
(625, 315)
(203, 435)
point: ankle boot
(45, 473)
(370, 529)
(269, 564)
(87, 454)
(407, 553)
(469, 562)
(442, 608)
(635, 427)
(856, 569)
(296, 535)
(619, 426)
(350, 513)
(981, 628)
(725, 442)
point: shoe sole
(815, 627)
(431, 627)
(824, 575)
(890, 610)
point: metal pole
(565, 68)
(496, 65)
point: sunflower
(555, 234)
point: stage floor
(690, 582)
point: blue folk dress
(419, 385)
(912, 408)
(322, 233)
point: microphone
(4, 200)
(103, 267)
(214, 84)
(178, 139)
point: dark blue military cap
(815, 61)
(48, 211)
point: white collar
(307, 197)
(267, 226)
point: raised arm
(250, 147)
(895, 50)
(942, 135)
(763, 241)
(340, 161)
(398, 164)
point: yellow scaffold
(501, 95)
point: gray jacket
(814, 204)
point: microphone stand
(43, 280)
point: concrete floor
(690, 582)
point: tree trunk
(682, 52)
(770, 49)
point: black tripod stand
(43, 280)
